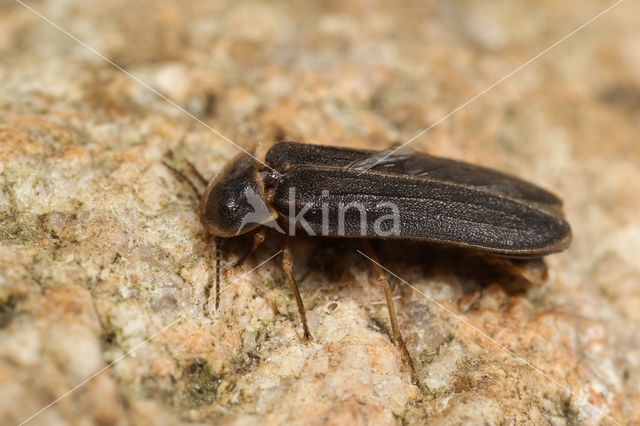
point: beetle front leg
(287, 265)
(382, 280)
(258, 238)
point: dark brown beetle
(351, 193)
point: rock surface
(104, 264)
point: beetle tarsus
(287, 265)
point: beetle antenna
(217, 250)
(196, 172)
(181, 176)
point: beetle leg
(287, 265)
(382, 280)
(258, 238)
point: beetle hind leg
(396, 337)
(287, 265)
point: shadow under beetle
(351, 193)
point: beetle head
(234, 202)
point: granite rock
(105, 264)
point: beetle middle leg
(287, 265)
(382, 280)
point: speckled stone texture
(102, 252)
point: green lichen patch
(7, 310)
(200, 383)
(377, 325)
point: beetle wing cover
(427, 166)
(411, 163)
(437, 200)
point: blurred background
(102, 251)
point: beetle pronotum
(351, 193)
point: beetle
(355, 193)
